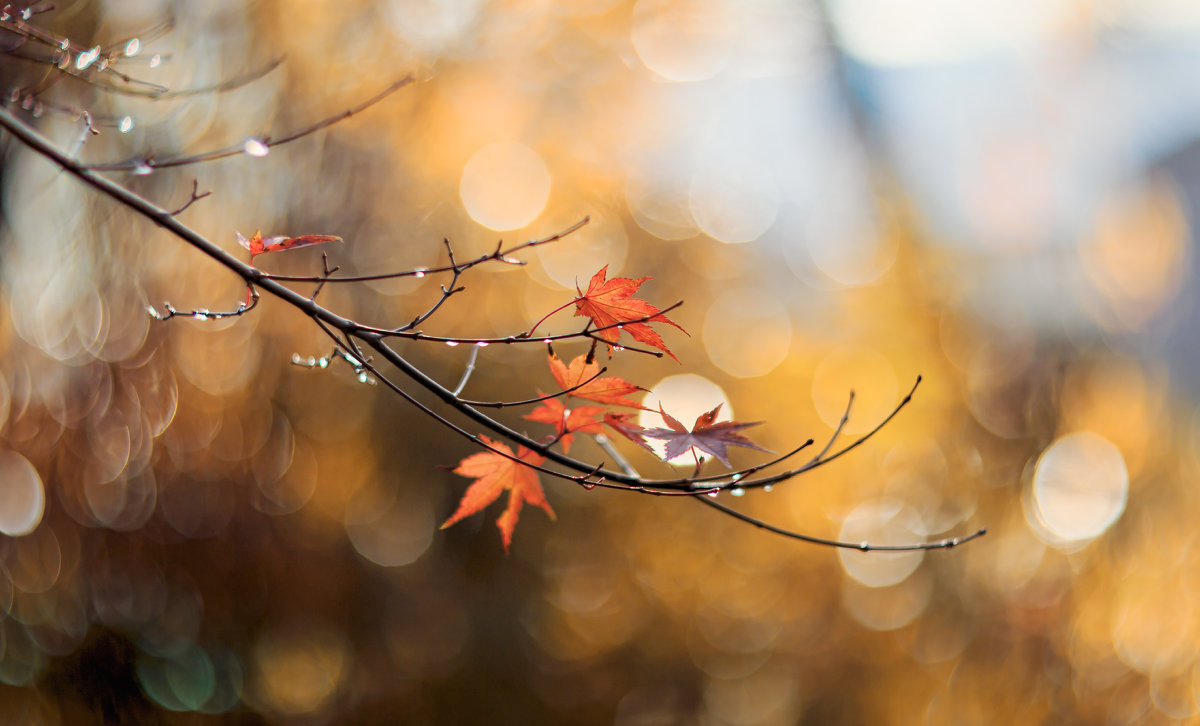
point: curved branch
(943, 544)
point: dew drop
(87, 58)
(419, 272)
(103, 65)
(38, 109)
(65, 44)
(199, 315)
(589, 485)
(324, 362)
(155, 60)
(133, 47)
(14, 95)
(713, 493)
(4, 15)
(143, 169)
(255, 147)
(546, 341)
(451, 343)
(737, 491)
(618, 348)
(27, 13)
(310, 361)
(64, 61)
(27, 103)
(482, 344)
(768, 487)
(295, 356)
(150, 309)
(363, 377)
(864, 546)
(126, 124)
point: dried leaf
(711, 438)
(623, 424)
(257, 245)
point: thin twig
(943, 544)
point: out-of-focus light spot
(433, 26)
(734, 198)
(183, 682)
(881, 522)
(767, 696)
(22, 496)
(387, 529)
(656, 193)
(1147, 635)
(133, 47)
(1174, 693)
(862, 370)
(887, 608)
(573, 261)
(87, 58)
(846, 244)
(685, 397)
(1136, 259)
(33, 562)
(747, 332)
(685, 41)
(126, 124)
(1079, 489)
(505, 185)
(124, 503)
(255, 147)
(299, 669)
(900, 32)
(21, 661)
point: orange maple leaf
(494, 472)
(258, 246)
(567, 420)
(611, 302)
(609, 389)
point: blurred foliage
(197, 531)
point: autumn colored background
(995, 195)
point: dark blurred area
(997, 196)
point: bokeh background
(995, 195)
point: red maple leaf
(494, 472)
(612, 303)
(258, 246)
(567, 420)
(609, 389)
(711, 438)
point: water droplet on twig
(737, 491)
(451, 343)
(133, 47)
(255, 147)
(155, 60)
(126, 124)
(87, 58)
